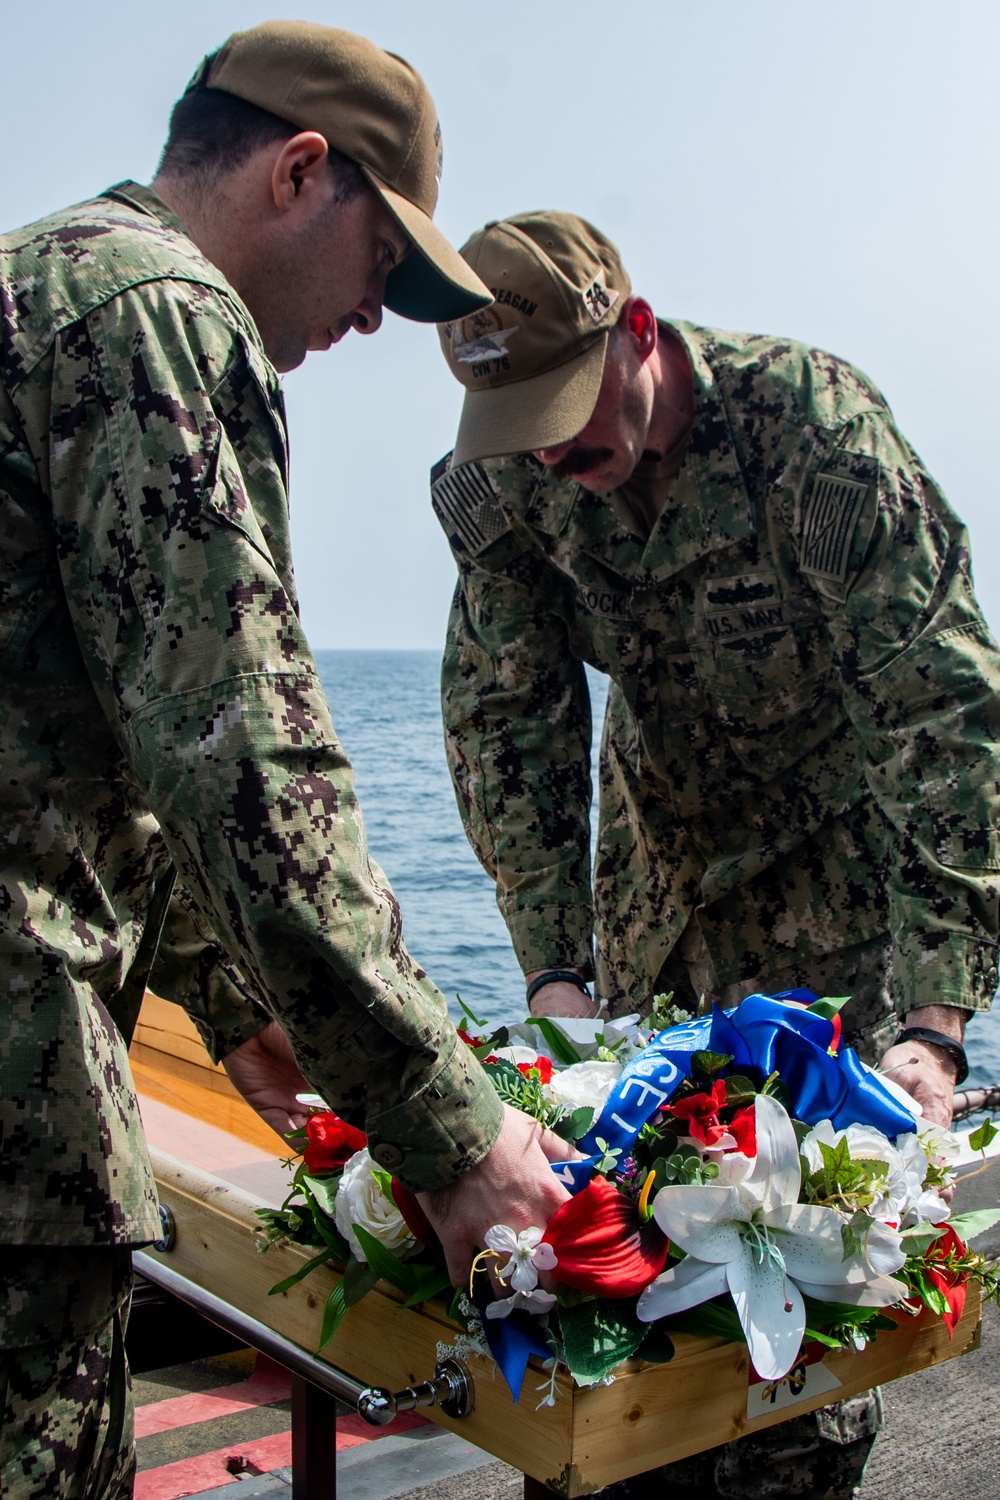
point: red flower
(601, 1246)
(702, 1114)
(701, 1111)
(541, 1065)
(470, 1041)
(331, 1142)
(414, 1217)
(951, 1284)
(743, 1126)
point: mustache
(579, 460)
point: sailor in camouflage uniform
(799, 769)
(161, 711)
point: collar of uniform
(147, 202)
(709, 505)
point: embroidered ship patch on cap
(829, 524)
(466, 505)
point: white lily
(528, 1253)
(529, 1302)
(754, 1239)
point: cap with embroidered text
(373, 107)
(531, 363)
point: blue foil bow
(763, 1035)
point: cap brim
(433, 284)
(525, 415)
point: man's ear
(638, 318)
(300, 171)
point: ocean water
(385, 708)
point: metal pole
(242, 1326)
(314, 1442)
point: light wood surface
(166, 1028)
(216, 1162)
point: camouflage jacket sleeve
(176, 567)
(889, 564)
(518, 732)
(193, 970)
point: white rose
(902, 1196)
(585, 1085)
(360, 1200)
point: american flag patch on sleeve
(828, 526)
(465, 502)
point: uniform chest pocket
(764, 666)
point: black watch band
(556, 976)
(948, 1044)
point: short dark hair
(213, 132)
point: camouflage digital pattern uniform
(66, 1415)
(160, 703)
(800, 751)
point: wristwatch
(948, 1044)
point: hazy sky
(826, 171)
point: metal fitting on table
(451, 1389)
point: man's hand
(560, 998)
(266, 1073)
(514, 1185)
(927, 1072)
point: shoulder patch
(441, 467)
(829, 522)
(465, 502)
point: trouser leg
(66, 1422)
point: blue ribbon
(763, 1036)
(512, 1341)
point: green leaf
(385, 1264)
(657, 1348)
(470, 1013)
(976, 1221)
(331, 1237)
(739, 1091)
(333, 1314)
(428, 1285)
(358, 1280)
(454, 1310)
(829, 1005)
(920, 1237)
(708, 1064)
(384, 1180)
(561, 1046)
(980, 1138)
(934, 1299)
(717, 1320)
(574, 1125)
(296, 1276)
(323, 1192)
(816, 1337)
(599, 1335)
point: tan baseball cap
(375, 108)
(532, 362)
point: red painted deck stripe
(352, 1429)
(203, 1406)
(189, 1476)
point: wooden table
(216, 1162)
